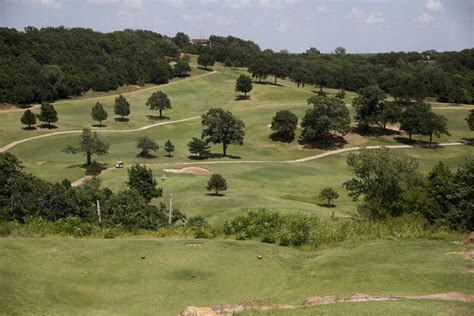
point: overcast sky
(296, 25)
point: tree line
(56, 62)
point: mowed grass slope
(89, 276)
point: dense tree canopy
(140, 179)
(56, 62)
(243, 84)
(327, 116)
(159, 101)
(284, 124)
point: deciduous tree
(221, 127)
(121, 107)
(328, 194)
(140, 179)
(169, 147)
(328, 115)
(243, 84)
(89, 144)
(198, 147)
(48, 114)
(205, 60)
(28, 118)
(284, 124)
(98, 113)
(216, 183)
(159, 101)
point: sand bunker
(190, 170)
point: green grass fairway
(275, 185)
(98, 277)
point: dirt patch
(190, 170)
(41, 162)
(466, 254)
(232, 309)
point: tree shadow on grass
(280, 138)
(468, 141)
(147, 156)
(327, 143)
(121, 119)
(213, 156)
(157, 117)
(374, 131)
(206, 69)
(326, 205)
(264, 83)
(183, 75)
(99, 125)
(214, 194)
(242, 98)
(52, 126)
(31, 128)
(417, 143)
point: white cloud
(54, 4)
(424, 19)
(281, 27)
(375, 18)
(237, 4)
(366, 17)
(102, 1)
(321, 8)
(131, 8)
(434, 5)
(176, 3)
(198, 17)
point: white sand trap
(190, 170)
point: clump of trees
(140, 179)
(470, 120)
(391, 186)
(181, 68)
(24, 197)
(329, 117)
(419, 119)
(58, 62)
(159, 101)
(221, 127)
(284, 124)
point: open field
(90, 276)
(271, 183)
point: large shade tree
(367, 105)
(328, 116)
(221, 127)
(89, 144)
(159, 101)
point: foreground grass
(97, 276)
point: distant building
(201, 41)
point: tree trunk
(245, 93)
(321, 88)
(275, 80)
(161, 114)
(298, 84)
(384, 126)
(431, 138)
(89, 157)
(409, 136)
(224, 149)
(260, 79)
(329, 202)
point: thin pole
(98, 212)
(171, 207)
